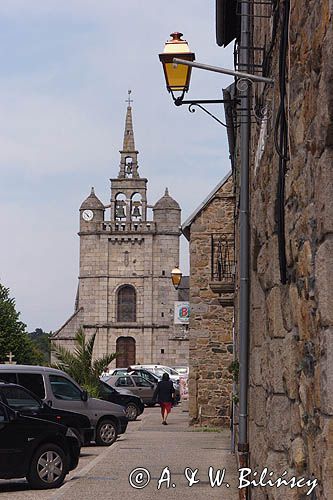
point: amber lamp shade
(176, 276)
(177, 76)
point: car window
(148, 376)
(141, 382)
(34, 382)
(8, 377)
(63, 388)
(124, 382)
(17, 398)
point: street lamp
(176, 277)
(177, 62)
(177, 76)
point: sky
(66, 67)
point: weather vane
(129, 100)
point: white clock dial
(87, 215)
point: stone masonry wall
(291, 332)
(210, 331)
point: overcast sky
(66, 66)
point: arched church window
(126, 304)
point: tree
(13, 336)
(41, 340)
(79, 363)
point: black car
(133, 404)
(21, 399)
(43, 452)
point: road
(170, 454)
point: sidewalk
(152, 446)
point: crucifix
(10, 357)
(129, 100)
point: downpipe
(244, 306)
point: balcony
(223, 267)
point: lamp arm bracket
(225, 71)
(192, 109)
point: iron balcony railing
(222, 258)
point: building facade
(125, 293)
(290, 413)
(210, 231)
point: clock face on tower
(87, 215)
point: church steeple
(128, 160)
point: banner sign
(182, 313)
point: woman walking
(164, 394)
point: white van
(59, 390)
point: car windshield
(105, 389)
(182, 371)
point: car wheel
(48, 467)
(106, 433)
(132, 411)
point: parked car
(133, 405)
(60, 391)
(182, 370)
(153, 378)
(20, 399)
(135, 385)
(159, 370)
(42, 451)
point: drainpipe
(244, 59)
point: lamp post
(176, 277)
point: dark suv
(133, 404)
(21, 399)
(43, 452)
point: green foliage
(79, 363)
(13, 336)
(41, 341)
(234, 369)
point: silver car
(135, 385)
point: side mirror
(84, 395)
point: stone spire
(128, 161)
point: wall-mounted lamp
(177, 62)
(176, 277)
(177, 76)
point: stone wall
(291, 331)
(210, 330)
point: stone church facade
(125, 293)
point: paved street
(104, 472)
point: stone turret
(167, 213)
(91, 212)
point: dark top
(164, 391)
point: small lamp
(176, 276)
(177, 76)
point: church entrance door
(126, 348)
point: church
(125, 294)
